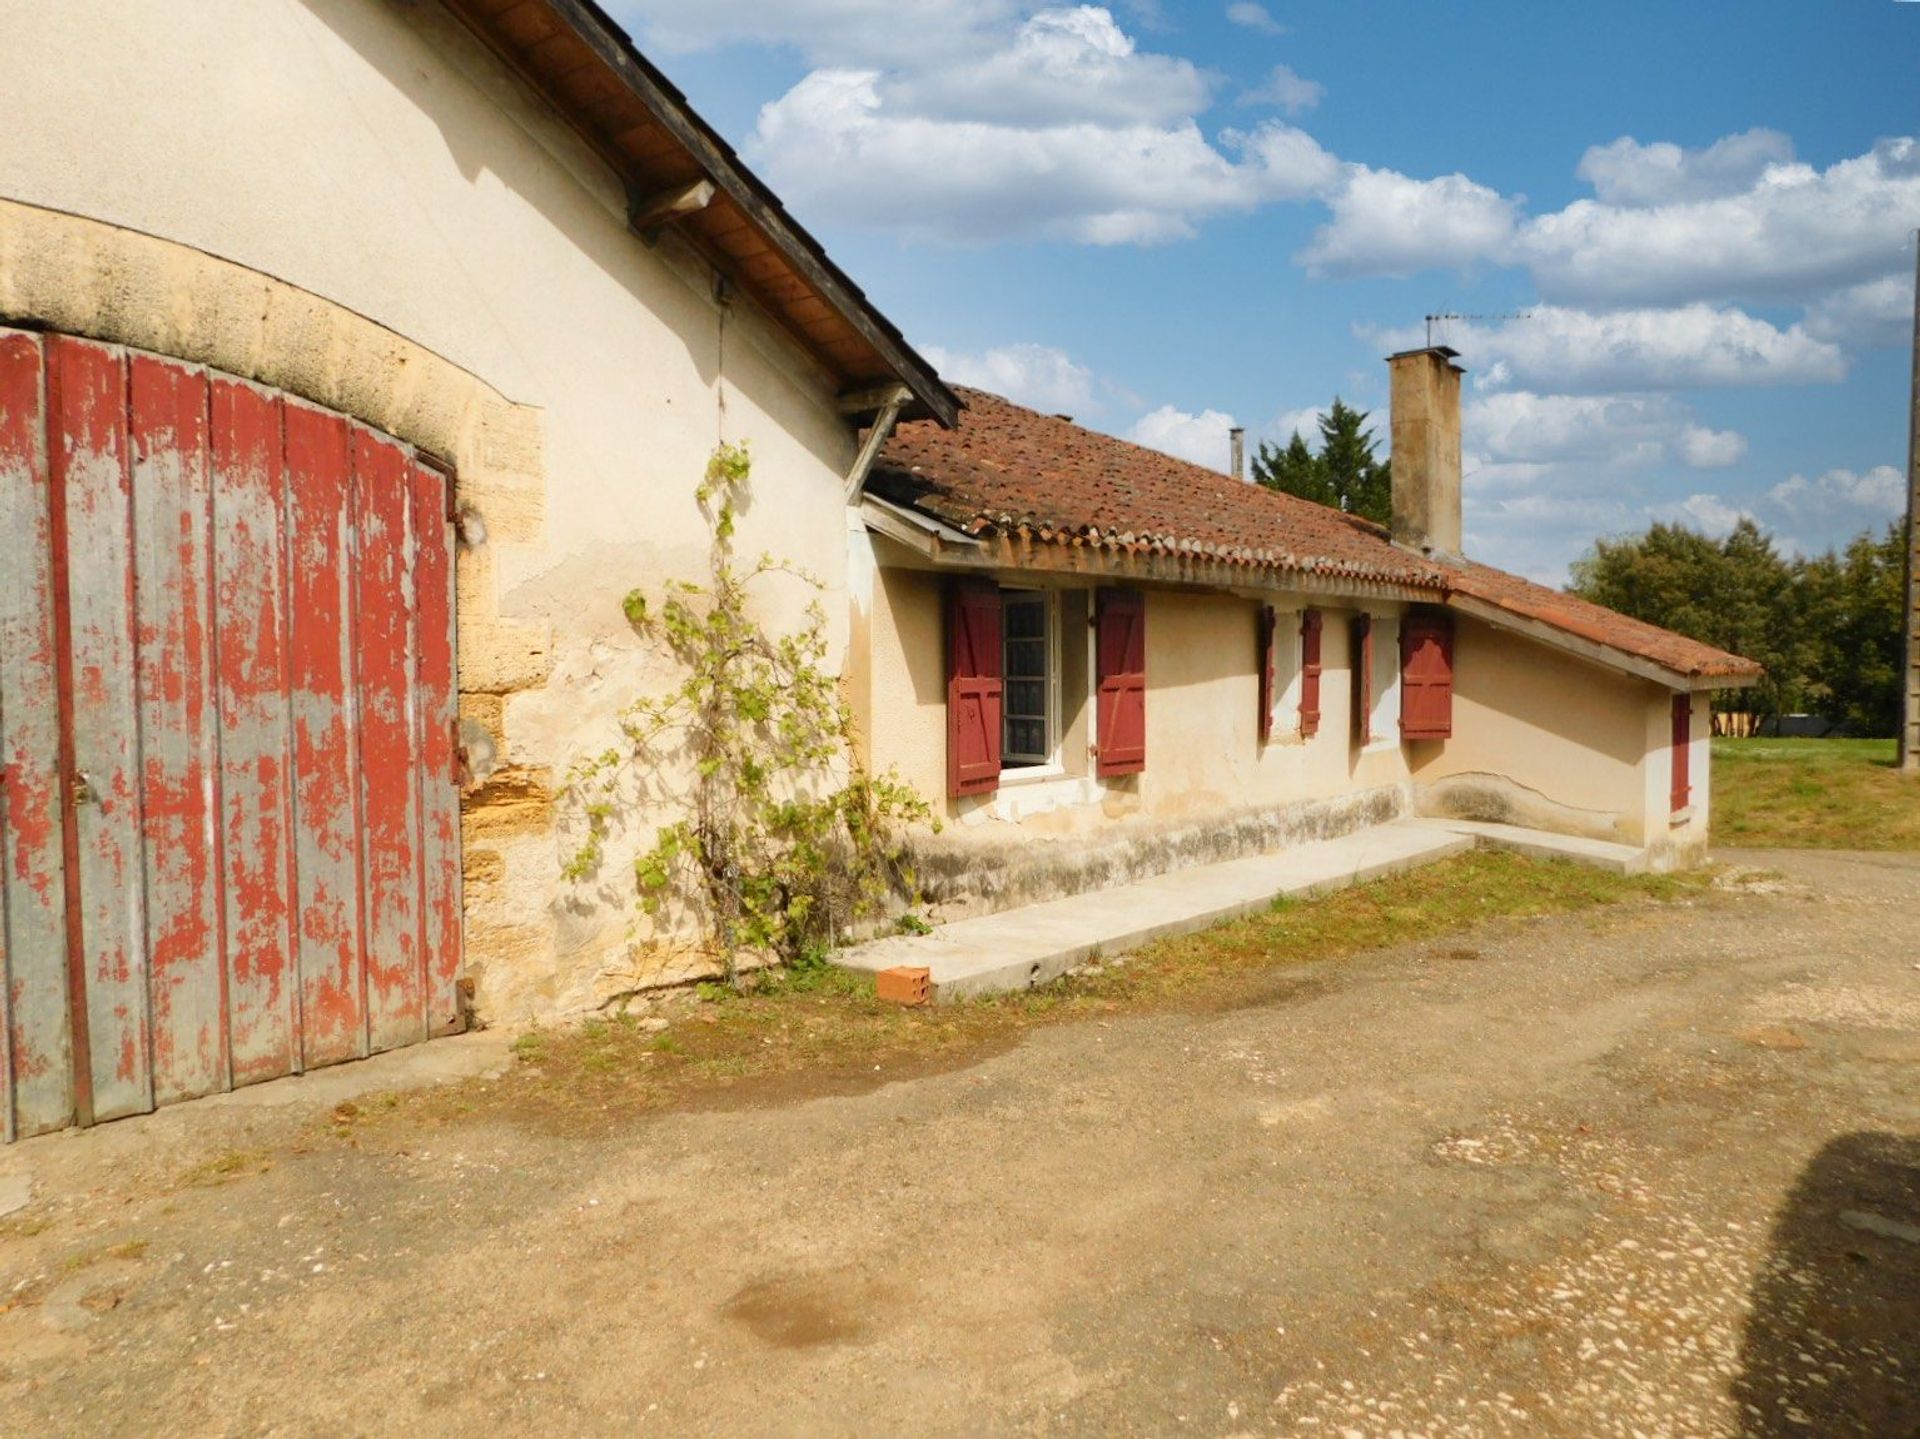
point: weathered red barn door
(229, 831)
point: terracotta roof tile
(1597, 623)
(1005, 469)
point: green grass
(1813, 794)
(828, 1032)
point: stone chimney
(1425, 411)
(1237, 451)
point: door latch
(83, 792)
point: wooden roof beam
(648, 215)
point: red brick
(904, 984)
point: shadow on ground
(1832, 1345)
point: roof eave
(1547, 633)
(614, 49)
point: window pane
(1025, 669)
(1027, 698)
(1026, 737)
(1026, 617)
(1024, 659)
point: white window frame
(1049, 765)
(1383, 725)
(1289, 678)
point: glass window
(1026, 666)
(1286, 674)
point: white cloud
(1061, 66)
(1517, 427)
(1386, 223)
(1629, 173)
(1037, 376)
(1201, 438)
(1254, 17)
(1794, 232)
(1707, 513)
(1289, 91)
(1873, 315)
(1691, 346)
(1700, 448)
(1878, 493)
(825, 31)
(834, 144)
(1306, 423)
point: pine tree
(1344, 474)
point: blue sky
(1157, 215)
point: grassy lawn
(823, 1032)
(1813, 794)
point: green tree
(1344, 474)
(1860, 663)
(1826, 627)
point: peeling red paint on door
(439, 715)
(93, 490)
(36, 1078)
(172, 567)
(250, 601)
(229, 830)
(384, 662)
(333, 1008)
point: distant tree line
(1827, 627)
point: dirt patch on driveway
(1551, 1189)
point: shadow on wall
(1832, 1346)
(486, 132)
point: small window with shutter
(1360, 661)
(1311, 625)
(1426, 677)
(974, 687)
(1028, 655)
(1282, 674)
(1120, 651)
(1682, 745)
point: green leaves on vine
(782, 840)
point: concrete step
(1540, 844)
(1018, 948)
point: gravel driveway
(1647, 1171)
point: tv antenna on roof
(1443, 317)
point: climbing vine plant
(784, 841)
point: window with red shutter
(1426, 677)
(1121, 665)
(973, 687)
(1264, 658)
(1310, 627)
(1682, 751)
(1360, 656)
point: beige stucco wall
(1204, 754)
(350, 198)
(1540, 738)
(1210, 787)
(1552, 741)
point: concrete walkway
(1543, 844)
(1035, 944)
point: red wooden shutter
(1426, 677)
(1682, 747)
(1122, 669)
(1310, 625)
(973, 687)
(1264, 657)
(1360, 656)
